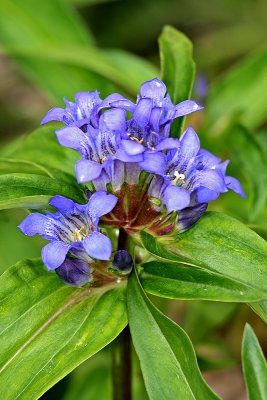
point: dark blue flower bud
(122, 262)
(74, 272)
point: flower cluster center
(80, 234)
(178, 178)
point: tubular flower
(192, 176)
(98, 147)
(149, 127)
(77, 113)
(72, 229)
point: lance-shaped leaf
(254, 366)
(48, 328)
(177, 68)
(167, 357)
(260, 309)
(34, 191)
(180, 281)
(229, 96)
(69, 61)
(245, 147)
(41, 147)
(220, 244)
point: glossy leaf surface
(254, 366)
(220, 244)
(167, 357)
(48, 328)
(177, 68)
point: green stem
(121, 351)
(122, 366)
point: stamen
(80, 234)
(137, 140)
(178, 178)
(103, 159)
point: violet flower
(72, 229)
(192, 175)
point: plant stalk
(121, 351)
(122, 366)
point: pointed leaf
(180, 281)
(167, 357)
(252, 161)
(254, 366)
(48, 328)
(220, 244)
(177, 68)
(34, 191)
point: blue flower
(72, 229)
(77, 113)
(149, 127)
(75, 272)
(192, 176)
(99, 147)
(122, 262)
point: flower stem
(122, 366)
(121, 350)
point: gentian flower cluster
(139, 177)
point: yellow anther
(137, 140)
(178, 178)
(80, 234)
(103, 159)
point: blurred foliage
(58, 47)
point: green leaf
(220, 244)
(126, 71)
(260, 309)
(254, 366)
(34, 191)
(91, 380)
(177, 68)
(41, 146)
(252, 163)
(180, 281)
(167, 357)
(68, 61)
(242, 90)
(47, 328)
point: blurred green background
(51, 49)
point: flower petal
(154, 162)
(85, 102)
(122, 155)
(186, 107)
(154, 89)
(189, 145)
(87, 170)
(100, 203)
(98, 246)
(132, 147)
(190, 215)
(62, 204)
(114, 119)
(71, 137)
(235, 185)
(33, 224)
(54, 254)
(204, 195)
(169, 143)
(210, 179)
(142, 112)
(176, 198)
(74, 272)
(55, 114)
